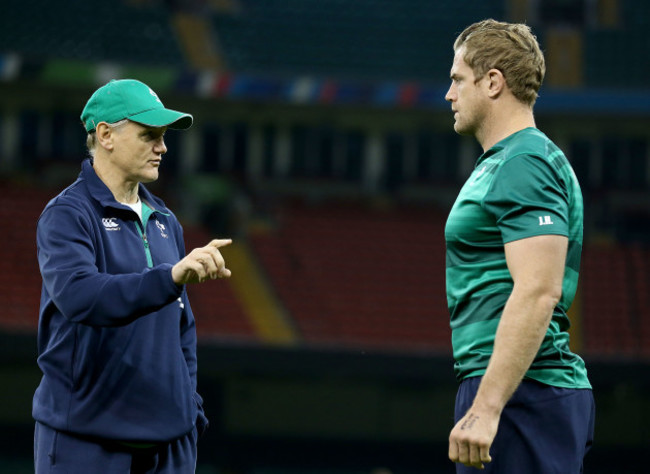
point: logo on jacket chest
(110, 223)
(161, 227)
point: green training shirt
(521, 187)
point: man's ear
(104, 134)
(496, 83)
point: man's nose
(160, 146)
(448, 95)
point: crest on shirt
(110, 224)
(162, 229)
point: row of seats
(615, 289)
(362, 39)
(20, 280)
(412, 39)
(349, 276)
(365, 39)
(117, 32)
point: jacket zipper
(145, 243)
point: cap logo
(154, 94)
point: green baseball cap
(133, 100)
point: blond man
(514, 238)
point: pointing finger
(220, 242)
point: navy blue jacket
(116, 336)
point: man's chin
(459, 129)
(462, 130)
(149, 177)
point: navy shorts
(56, 452)
(543, 429)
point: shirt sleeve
(527, 198)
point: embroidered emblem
(155, 95)
(110, 224)
(162, 229)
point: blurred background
(323, 146)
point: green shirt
(521, 187)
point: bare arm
(537, 268)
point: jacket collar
(100, 192)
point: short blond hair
(511, 48)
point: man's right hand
(201, 264)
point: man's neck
(123, 191)
(503, 122)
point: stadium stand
(93, 31)
(376, 40)
(607, 49)
(20, 280)
(640, 289)
(355, 277)
(363, 39)
(367, 39)
(616, 311)
(349, 276)
(607, 308)
(329, 348)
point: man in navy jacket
(117, 337)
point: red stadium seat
(352, 276)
